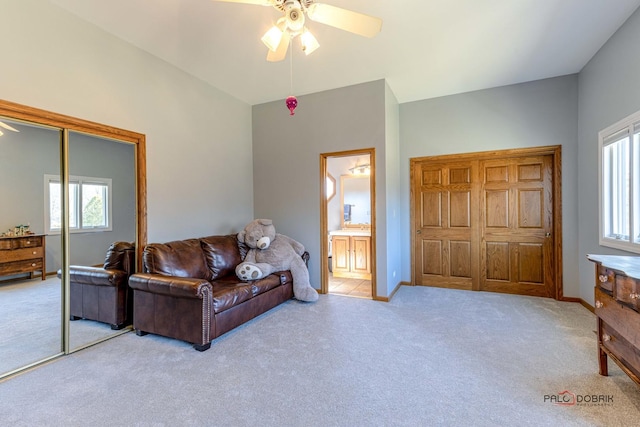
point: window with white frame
(89, 204)
(620, 184)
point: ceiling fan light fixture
(292, 24)
(272, 38)
(309, 42)
(6, 126)
(294, 15)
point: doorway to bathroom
(348, 223)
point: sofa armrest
(96, 276)
(184, 287)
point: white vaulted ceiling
(427, 48)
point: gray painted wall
(391, 241)
(286, 152)
(609, 91)
(198, 138)
(24, 159)
(531, 114)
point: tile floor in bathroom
(351, 287)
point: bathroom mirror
(356, 201)
(38, 166)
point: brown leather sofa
(189, 290)
(102, 293)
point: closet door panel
(518, 207)
(444, 239)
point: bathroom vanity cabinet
(351, 253)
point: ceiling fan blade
(281, 52)
(258, 2)
(354, 22)
(6, 126)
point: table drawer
(623, 349)
(627, 290)
(25, 266)
(605, 278)
(619, 317)
(21, 254)
(29, 242)
(20, 242)
(6, 244)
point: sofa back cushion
(182, 258)
(121, 256)
(222, 254)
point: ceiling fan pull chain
(291, 102)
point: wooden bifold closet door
(446, 239)
(485, 222)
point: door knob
(419, 231)
(547, 235)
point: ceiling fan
(6, 126)
(277, 39)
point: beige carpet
(31, 323)
(429, 357)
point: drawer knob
(599, 304)
(33, 265)
(34, 252)
(28, 242)
(606, 337)
(633, 295)
(603, 278)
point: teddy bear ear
(265, 222)
(241, 236)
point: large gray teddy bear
(270, 252)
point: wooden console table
(617, 305)
(23, 254)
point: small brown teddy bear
(270, 252)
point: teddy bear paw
(248, 272)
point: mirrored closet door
(69, 189)
(31, 313)
(102, 211)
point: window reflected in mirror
(331, 187)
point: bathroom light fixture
(364, 169)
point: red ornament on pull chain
(292, 103)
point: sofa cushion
(265, 284)
(182, 258)
(229, 293)
(256, 288)
(222, 254)
(120, 256)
